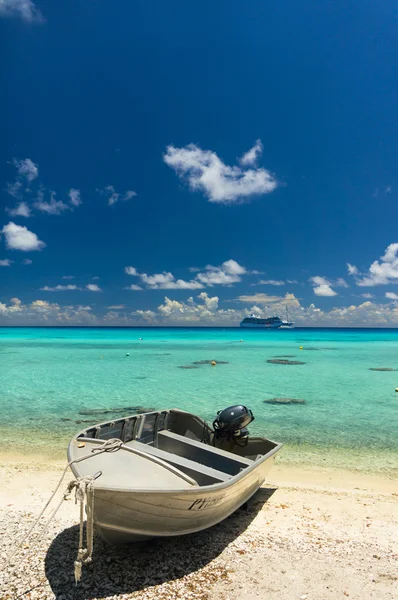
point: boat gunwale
(171, 491)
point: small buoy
(396, 389)
(213, 363)
(301, 347)
(127, 353)
(140, 339)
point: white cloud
(26, 168)
(53, 207)
(27, 261)
(383, 271)
(93, 287)
(202, 310)
(134, 287)
(340, 282)
(228, 273)
(270, 282)
(112, 196)
(352, 269)
(21, 210)
(68, 277)
(27, 171)
(252, 155)
(162, 281)
(324, 290)
(74, 196)
(206, 172)
(267, 299)
(367, 295)
(60, 288)
(20, 238)
(6, 262)
(322, 286)
(117, 307)
(392, 295)
(167, 281)
(25, 9)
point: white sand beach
(309, 534)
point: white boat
(267, 323)
(170, 473)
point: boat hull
(125, 517)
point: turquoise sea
(50, 376)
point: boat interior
(177, 443)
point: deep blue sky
(95, 91)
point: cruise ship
(268, 323)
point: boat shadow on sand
(126, 569)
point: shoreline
(305, 476)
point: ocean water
(50, 376)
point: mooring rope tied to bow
(84, 493)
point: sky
(188, 163)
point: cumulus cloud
(322, 286)
(21, 210)
(267, 299)
(60, 288)
(53, 207)
(23, 191)
(27, 261)
(5, 262)
(74, 197)
(352, 269)
(134, 287)
(270, 282)
(251, 156)
(93, 287)
(20, 238)
(68, 277)
(382, 271)
(391, 295)
(161, 281)
(112, 196)
(26, 169)
(167, 281)
(206, 172)
(201, 310)
(228, 273)
(24, 9)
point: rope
(84, 490)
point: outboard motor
(231, 423)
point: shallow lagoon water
(349, 419)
